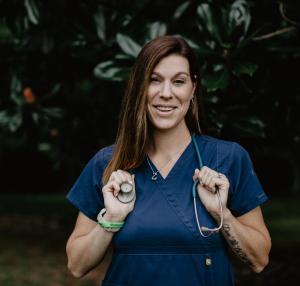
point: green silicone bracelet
(107, 224)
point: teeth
(164, 108)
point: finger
(207, 175)
(129, 178)
(132, 180)
(196, 173)
(115, 177)
(204, 175)
(122, 175)
(111, 187)
(221, 183)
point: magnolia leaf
(32, 11)
(44, 147)
(108, 71)
(249, 126)
(157, 29)
(181, 9)
(129, 46)
(100, 23)
(245, 68)
(206, 21)
(239, 16)
(216, 81)
(15, 122)
(201, 49)
(53, 112)
(35, 117)
(15, 90)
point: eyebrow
(187, 74)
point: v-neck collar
(173, 169)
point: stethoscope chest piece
(126, 194)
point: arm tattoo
(236, 247)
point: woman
(164, 236)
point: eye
(154, 79)
(179, 81)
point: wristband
(108, 225)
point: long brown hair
(134, 130)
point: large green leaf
(99, 19)
(32, 11)
(244, 68)
(200, 48)
(239, 18)
(16, 90)
(206, 21)
(53, 112)
(181, 9)
(157, 29)
(108, 71)
(249, 126)
(216, 81)
(128, 45)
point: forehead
(172, 64)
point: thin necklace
(154, 174)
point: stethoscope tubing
(203, 229)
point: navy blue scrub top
(160, 244)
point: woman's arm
(248, 237)
(89, 242)
(87, 245)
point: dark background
(63, 70)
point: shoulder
(225, 149)
(103, 156)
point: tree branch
(273, 34)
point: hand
(210, 180)
(116, 210)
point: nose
(166, 91)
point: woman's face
(170, 92)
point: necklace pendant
(154, 177)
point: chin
(164, 126)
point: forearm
(87, 251)
(249, 245)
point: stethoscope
(126, 195)
(203, 229)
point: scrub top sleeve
(246, 192)
(86, 193)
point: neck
(169, 142)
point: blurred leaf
(122, 57)
(245, 68)
(15, 122)
(32, 11)
(157, 29)
(16, 90)
(107, 70)
(99, 19)
(200, 48)
(206, 21)
(216, 81)
(5, 33)
(35, 117)
(239, 18)
(249, 126)
(53, 112)
(181, 9)
(129, 46)
(44, 146)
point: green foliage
(73, 59)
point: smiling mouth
(164, 108)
